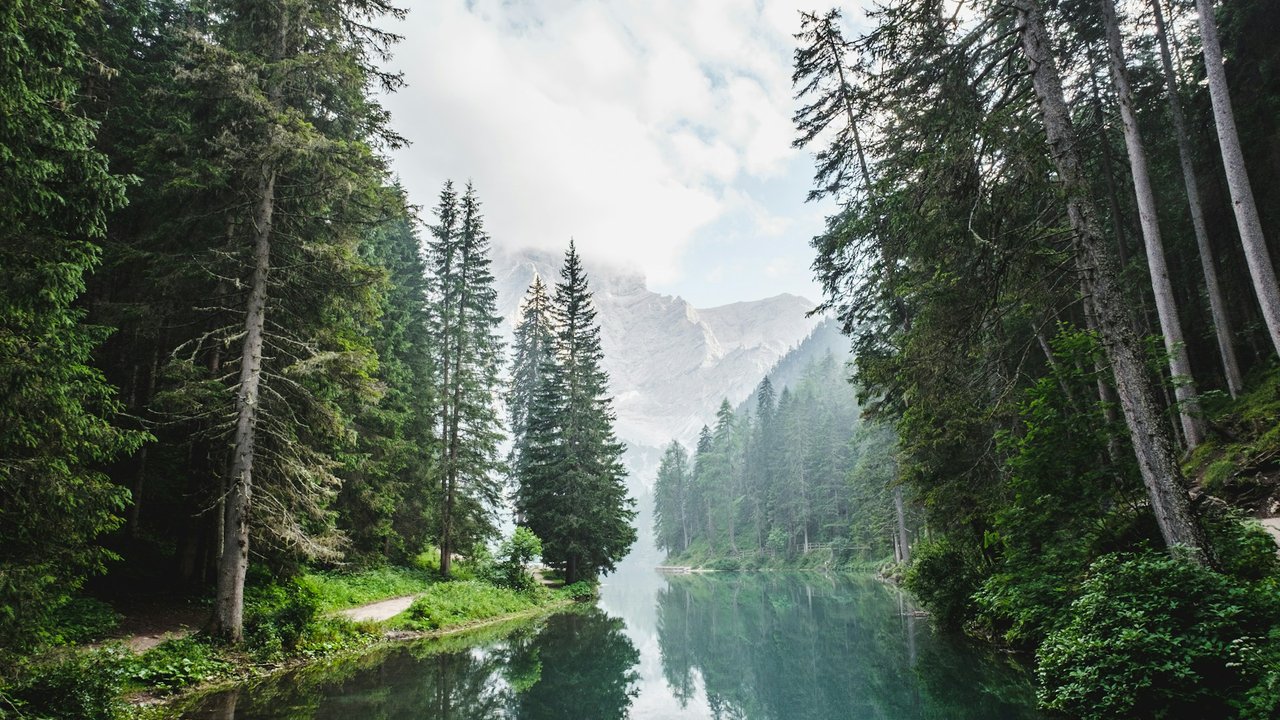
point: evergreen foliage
(570, 477)
(464, 322)
(780, 480)
(58, 414)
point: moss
(1240, 461)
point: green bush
(83, 619)
(944, 580)
(725, 564)
(177, 664)
(83, 685)
(580, 591)
(514, 556)
(277, 615)
(1154, 635)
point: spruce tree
(572, 492)
(465, 321)
(531, 353)
(670, 490)
(56, 411)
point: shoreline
(154, 706)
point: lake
(752, 646)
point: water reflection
(758, 646)
(535, 673)
(783, 646)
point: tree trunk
(1151, 438)
(1108, 165)
(1184, 387)
(1255, 243)
(228, 612)
(1217, 305)
(899, 510)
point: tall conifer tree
(465, 319)
(572, 493)
(531, 354)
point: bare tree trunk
(228, 611)
(1184, 387)
(140, 476)
(1108, 164)
(1151, 438)
(1255, 243)
(1217, 305)
(900, 511)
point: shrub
(74, 686)
(177, 664)
(725, 564)
(83, 619)
(1154, 635)
(944, 580)
(277, 615)
(580, 591)
(515, 554)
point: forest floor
(145, 624)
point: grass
(453, 603)
(338, 591)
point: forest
(1054, 257)
(793, 477)
(240, 368)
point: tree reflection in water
(769, 645)
(535, 673)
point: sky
(655, 133)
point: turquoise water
(754, 646)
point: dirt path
(1272, 525)
(379, 611)
(144, 625)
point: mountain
(825, 339)
(669, 363)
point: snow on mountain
(669, 363)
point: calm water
(748, 646)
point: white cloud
(630, 125)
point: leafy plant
(1156, 635)
(72, 686)
(278, 614)
(580, 591)
(944, 580)
(177, 664)
(514, 556)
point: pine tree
(532, 350)
(388, 502)
(465, 321)
(294, 155)
(572, 493)
(56, 411)
(670, 497)
(1152, 442)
